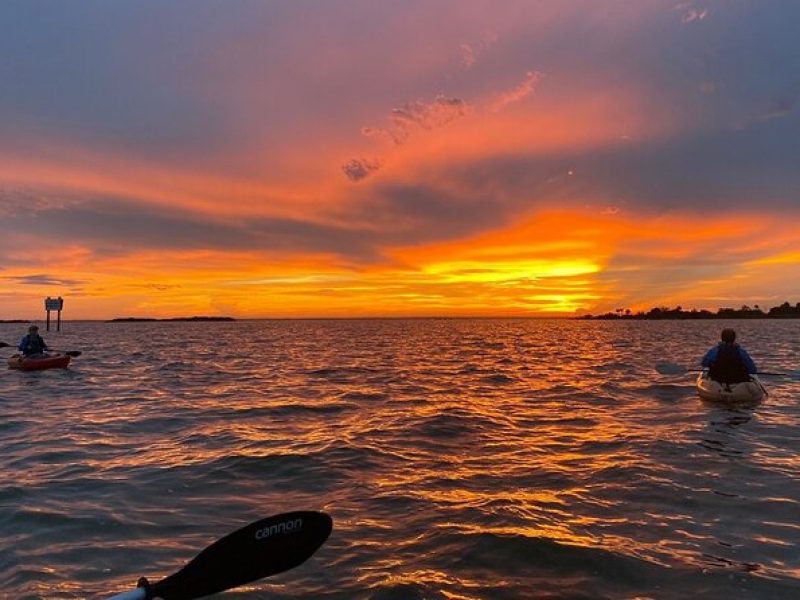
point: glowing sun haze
(359, 158)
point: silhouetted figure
(728, 362)
(32, 344)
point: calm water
(460, 459)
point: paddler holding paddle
(728, 362)
(33, 344)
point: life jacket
(32, 345)
(728, 366)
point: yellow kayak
(746, 392)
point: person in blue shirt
(728, 362)
(32, 344)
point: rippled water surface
(459, 459)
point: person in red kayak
(32, 344)
(728, 362)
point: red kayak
(39, 363)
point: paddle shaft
(768, 373)
(137, 594)
(72, 353)
(668, 368)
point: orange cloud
(552, 262)
(585, 261)
(67, 172)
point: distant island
(148, 319)
(784, 311)
(13, 321)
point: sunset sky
(356, 158)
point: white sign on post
(54, 303)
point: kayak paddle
(668, 368)
(73, 353)
(263, 548)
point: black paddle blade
(73, 353)
(668, 368)
(261, 549)
(4, 345)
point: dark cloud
(290, 235)
(24, 199)
(426, 115)
(359, 168)
(118, 227)
(421, 213)
(418, 116)
(386, 215)
(717, 170)
(43, 279)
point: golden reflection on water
(424, 435)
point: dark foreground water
(459, 459)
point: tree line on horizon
(784, 311)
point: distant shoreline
(645, 317)
(784, 311)
(150, 319)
